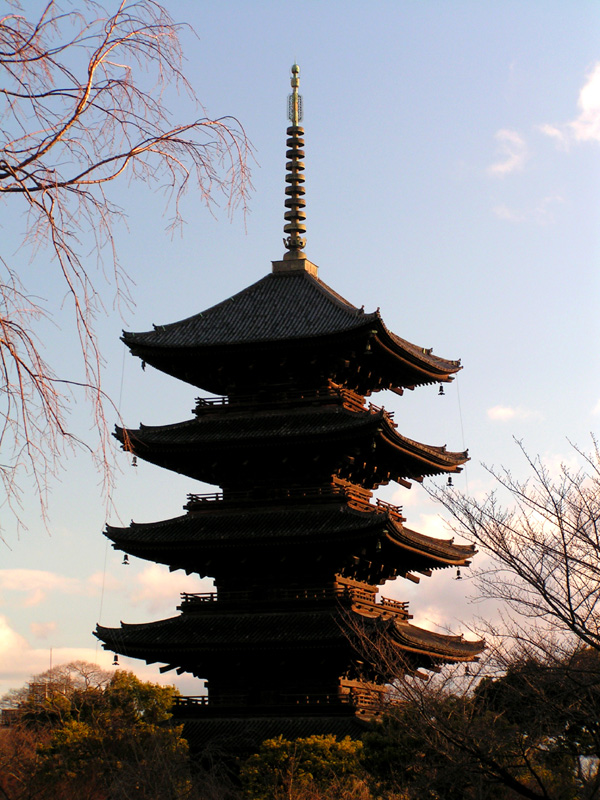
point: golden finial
(295, 99)
(294, 203)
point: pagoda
(295, 540)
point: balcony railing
(397, 608)
(284, 396)
(330, 492)
(332, 394)
(362, 701)
(357, 499)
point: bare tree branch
(545, 548)
(82, 104)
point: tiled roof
(281, 307)
(282, 429)
(315, 525)
(254, 425)
(238, 526)
(278, 306)
(206, 632)
(190, 635)
(443, 550)
(413, 639)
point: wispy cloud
(19, 660)
(512, 153)
(157, 586)
(99, 580)
(42, 630)
(586, 126)
(502, 211)
(36, 584)
(556, 133)
(506, 413)
(542, 214)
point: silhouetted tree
(82, 105)
(525, 719)
(98, 740)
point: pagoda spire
(294, 203)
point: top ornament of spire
(294, 203)
(295, 99)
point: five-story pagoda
(295, 541)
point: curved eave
(190, 636)
(250, 428)
(290, 311)
(222, 528)
(434, 459)
(278, 307)
(443, 647)
(168, 541)
(444, 553)
(168, 445)
(206, 633)
(432, 369)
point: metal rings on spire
(295, 228)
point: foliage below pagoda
(530, 732)
(317, 766)
(110, 738)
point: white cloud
(596, 409)
(509, 214)
(42, 630)
(556, 463)
(100, 580)
(556, 133)
(19, 661)
(157, 586)
(435, 526)
(10, 641)
(512, 153)
(505, 413)
(37, 583)
(586, 126)
(542, 214)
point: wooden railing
(356, 499)
(349, 399)
(394, 511)
(317, 594)
(358, 699)
(196, 702)
(283, 397)
(282, 493)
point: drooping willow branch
(82, 104)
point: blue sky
(452, 165)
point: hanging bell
(467, 670)
(441, 391)
(134, 461)
(450, 481)
(125, 561)
(458, 575)
(115, 662)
